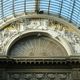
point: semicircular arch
(42, 43)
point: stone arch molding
(41, 39)
(65, 35)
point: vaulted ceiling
(65, 9)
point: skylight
(67, 9)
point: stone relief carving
(53, 27)
(39, 76)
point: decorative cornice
(41, 61)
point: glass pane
(44, 5)
(19, 6)
(67, 8)
(0, 10)
(30, 5)
(55, 6)
(7, 8)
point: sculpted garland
(52, 27)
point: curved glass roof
(67, 9)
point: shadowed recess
(37, 46)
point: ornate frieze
(54, 28)
(39, 76)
